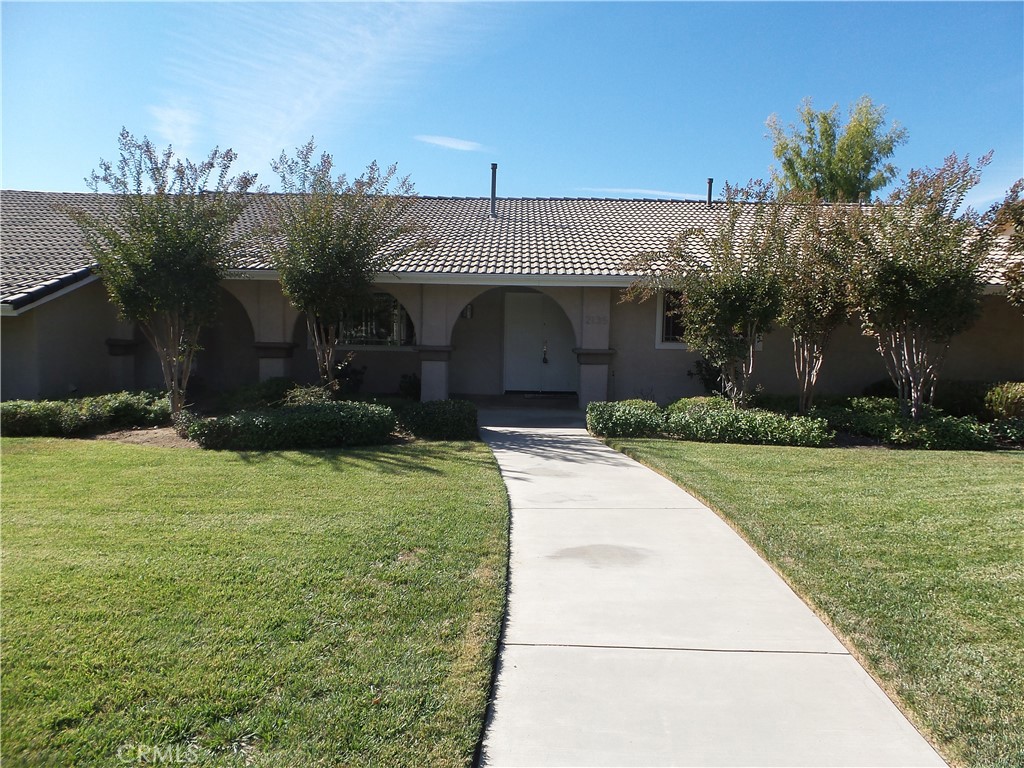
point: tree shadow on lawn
(409, 457)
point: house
(516, 295)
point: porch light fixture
(467, 312)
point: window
(384, 323)
(668, 326)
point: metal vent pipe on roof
(711, 183)
(494, 190)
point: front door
(539, 342)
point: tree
(816, 247)
(333, 237)
(835, 162)
(917, 275)
(1008, 223)
(165, 244)
(727, 286)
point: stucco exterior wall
(638, 369)
(992, 350)
(19, 375)
(59, 348)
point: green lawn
(316, 608)
(917, 558)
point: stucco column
(121, 348)
(594, 355)
(434, 349)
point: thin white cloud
(270, 75)
(462, 145)
(634, 192)
(175, 125)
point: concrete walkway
(643, 631)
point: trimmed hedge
(879, 418)
(751, 426)
(322, 425)
(82, 416)
(942, 433)
(709, 402)
(625, 418)
(704, 419)
(440, 420)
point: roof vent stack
(711, 183)
(494, 190)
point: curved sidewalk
(643, 631)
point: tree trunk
(325, 340)
(175, 342)
(913, 367)
(808, 354)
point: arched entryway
(227, 355)
(226, 358)
(511, 340)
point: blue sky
(570, 99)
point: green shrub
(252, 397)
(625, 418)
(1006, 401)
(67, 418)
(751, 426)
(879, 418)
(440, 420)
(308, 394)
(873, 417)
(716, 402)
(1008, 432)
(943, 433)
(320, 425)
(23, 418)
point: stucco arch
(227, 356)
(477, 339)
(569, 299)
(226, 359)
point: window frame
(659, 327)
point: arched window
(384, 323)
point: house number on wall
(595, 320)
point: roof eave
(469, 278)
(20, 303)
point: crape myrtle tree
(815, 246)
(165, 243)
(1008, 222)
(917, 274)
(833, 161)
(331, 239)
(728, 288)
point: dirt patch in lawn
(161, 437)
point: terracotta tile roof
(41, 249)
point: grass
(916, 557)
(315, 608)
